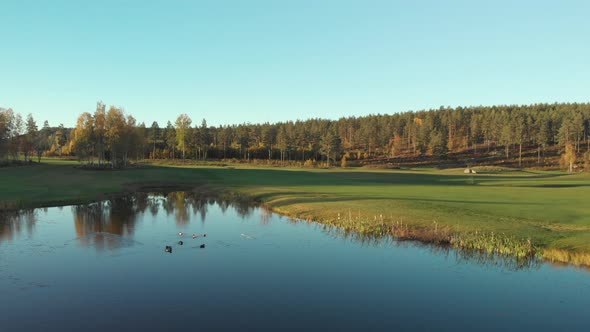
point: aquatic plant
(566, 257)
(485, 243)
(499, 244)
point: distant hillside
(507, 135)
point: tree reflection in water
(14, 223)
(110, 224)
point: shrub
(310, 163)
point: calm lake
(103, 267)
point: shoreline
(498, 245)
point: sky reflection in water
(258, 272)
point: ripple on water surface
(61, 268)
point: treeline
(113, 137)
(22, 137)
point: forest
(538, 135)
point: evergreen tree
(171, 138)
(154, 137)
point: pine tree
(154, 137)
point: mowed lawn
(551, 208)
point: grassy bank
(505, 212)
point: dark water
(102, 267)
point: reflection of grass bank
(486, 245)
(441, 247)
(489, 244)
(444, 206)
(567, 257)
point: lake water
(102, 267)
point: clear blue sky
(237, 61)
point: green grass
(549, 208)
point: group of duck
(168, 249)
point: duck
(180, 242)
(180, 233)
(202, 246)
(205, 235)
(195, 236)
(168, 249)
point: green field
(549, 208)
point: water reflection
(15, 223)
(346, 280)
(461, 256)
(104, 224)
(111, 224)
